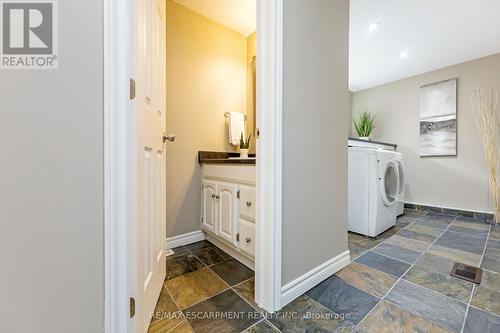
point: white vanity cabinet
(228, 208)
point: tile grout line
(229, 286)
(400, 278)
(474, 287)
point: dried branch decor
(484, 108)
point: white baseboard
(185, 239)
(303, 283)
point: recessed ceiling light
(404, 54)
(373, 26)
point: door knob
(169, 137)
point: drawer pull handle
(248, 203)
(248, 239)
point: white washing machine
(373, 190)
(402, 185)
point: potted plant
(244, 145)
(364, 125)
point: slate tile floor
(397, 282)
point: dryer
(373, 184)
(402, 185)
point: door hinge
(238, 237)
(238, 194)
(257, 133)
(132, 307)
(132, 89)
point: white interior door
(150, 101)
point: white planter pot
(243, 153)
(367, 138)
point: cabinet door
(227, 211)
(209, 204)
(247, 237)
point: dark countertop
(377, 142)
(214, 157)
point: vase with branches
(364, 125)
(484, 109)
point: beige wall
(206, 76)
(317, 107)
(455, 182)
(51, 176)
(251, 52)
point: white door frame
(119, 147)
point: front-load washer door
(389, 184)
(402, 177)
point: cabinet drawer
(247, 237)
(247, 202)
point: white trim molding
(269, 147)
(303, 283)
(117, 210)
(185, 239)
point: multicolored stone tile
(464, 242)
(417, 236)
(355, 250)
(424, 229)
(490, 280)
(441, 283)
(194, 287)
(224, 313)
(175, 324)
(456, 255)
(407, 243)
(490, 264)
(414, 213)
(199, 245)
(435, 263)
(481, 322)
(246, 290)
(397, 252)
(309, 316)
(437, 221)
(343, 299)
(493, 249)
(387, 318)
(364, 242)
(232, 271)
(178, 251)
(367, 279)
(383, 263)
(486, 299)
(165, 307)
(211, 255)
(261, 327)
(442, 310)
(495, 232)
(476, 228)
(181, 265)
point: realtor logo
(29, 34)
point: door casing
(120, 185)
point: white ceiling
(436, 33)
(237, 15)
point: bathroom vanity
(228, 203)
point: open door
(151, 186)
